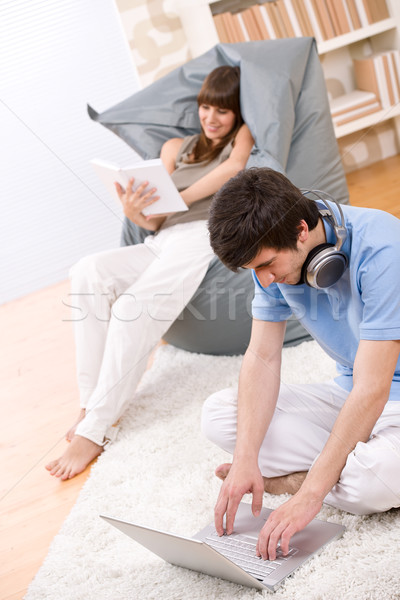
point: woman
(129, 297)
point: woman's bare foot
(286, 484)
(75, 459)
(71, 432)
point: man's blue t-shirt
(363, 305)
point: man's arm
(258, 392)
(372, 377)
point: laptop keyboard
(242, 551)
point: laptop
(234, 557)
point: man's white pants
(302, 422)
(123, 301)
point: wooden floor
(39, 402)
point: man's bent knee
(219, 419)
(369, 483)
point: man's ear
(303, 231)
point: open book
(152, 171)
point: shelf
(368, 121)
(201, 33)
(357, 35)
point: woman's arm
(211, 183)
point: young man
(339, 274)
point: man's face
(278, 266)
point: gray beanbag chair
(285, 105)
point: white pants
(124, 301)
(299, 429)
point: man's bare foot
(71, 432)
(75, 459)
(286, 484)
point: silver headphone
(326, 263)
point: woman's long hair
(220, 88)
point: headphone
(326, 263)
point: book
(343, 16)
(221, 30)
(154, 172)
(353, 106)
(341, 105)
(375, 74)
(356, 114)
(274, 19)
(315, 24)
(240, 29)
(227, 20)
(388, 79)
(378, 10)
(323, 18)
(290, 9)
(352, 8)
(302, 17)
(395, 57)
(251, 25)
(266, 21)
(334, 17)
(362, 13)
(365, 76)
(284, 15)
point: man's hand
(241, 479)
(283, 523)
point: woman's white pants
(302, 422)
(123, 301)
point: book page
(152, 171)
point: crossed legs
(124, 301)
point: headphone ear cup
(323, 266)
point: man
(335, 442)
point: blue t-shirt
(363, 305)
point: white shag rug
(159, 473)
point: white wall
(55, 57)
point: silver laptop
(234, 557)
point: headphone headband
(340, 230)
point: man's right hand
(243, 478)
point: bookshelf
(336, 54)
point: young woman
(129, 297)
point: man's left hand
(284, 522)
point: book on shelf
(240, 28)
(221, 29)
(380, 74)
(354, 105)
(341, 15)
(302, 16)
(314, 21)
(282, 8)
(322, 19)
(293, 17)
(152, 171)
(250, 23)
(378, 9)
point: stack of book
(378, 87)
(352, 106)
(380, 74)
(322, 19)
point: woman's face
(216, 122)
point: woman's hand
(134, 201)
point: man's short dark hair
(258, 208)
